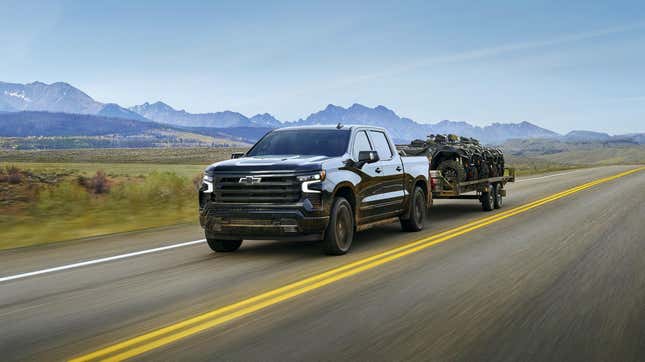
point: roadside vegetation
(40, 206)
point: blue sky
(561, 64)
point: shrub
(13, 175)
(99, 183)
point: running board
(376, 223)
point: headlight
(208, 181)
(319, 176)
(307, 180)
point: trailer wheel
(223, 246)
(340, 231)
(498, 202)
(488, 199)
(417, 211)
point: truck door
(390, 171)
(382, 195)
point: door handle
(398, 168)
(378, 170)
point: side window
(361, 143)
(381, 145)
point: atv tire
(452, 171)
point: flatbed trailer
(489, 191)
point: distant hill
(163, 113)
(248, 134)
(47, 130)
(29, 124)
(603, 138)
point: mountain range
(65, 99)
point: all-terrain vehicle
(458, 158)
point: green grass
(111, 169)
(70, 209)
(177, 156)
(530, 166)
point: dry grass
(46, 198)
(44, 207)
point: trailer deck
(482, 189)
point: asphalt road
(564, 280)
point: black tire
(488, 199)
(475, 174)
(452, 170)
(417, 211)
(493, 171)
(498, 201)
(484, 170)
(340, 231)
(224, 246)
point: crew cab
(313, 183)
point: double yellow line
(166, 335)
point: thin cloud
(450, 58)
(490, 52)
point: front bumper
(234, 222)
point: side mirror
(237, 154)
(367, 157)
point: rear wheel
(417, 211)
(224, 246)
(488, 199)
(498, 202)
(340, 232)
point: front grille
(274, 189)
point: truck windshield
(317, 142)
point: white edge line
(98, 261)
(547, 176)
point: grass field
(178, 156)
(111, 169)
(49, 196)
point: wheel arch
(347, 191)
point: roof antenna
(339, 126)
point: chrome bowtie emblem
(250, 180)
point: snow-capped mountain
(163, 113)
(56, 97)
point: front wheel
(340, 231)
(224, 246)
(417, 211)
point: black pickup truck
(313, 183)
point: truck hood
(269, 163)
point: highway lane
(61, 314)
